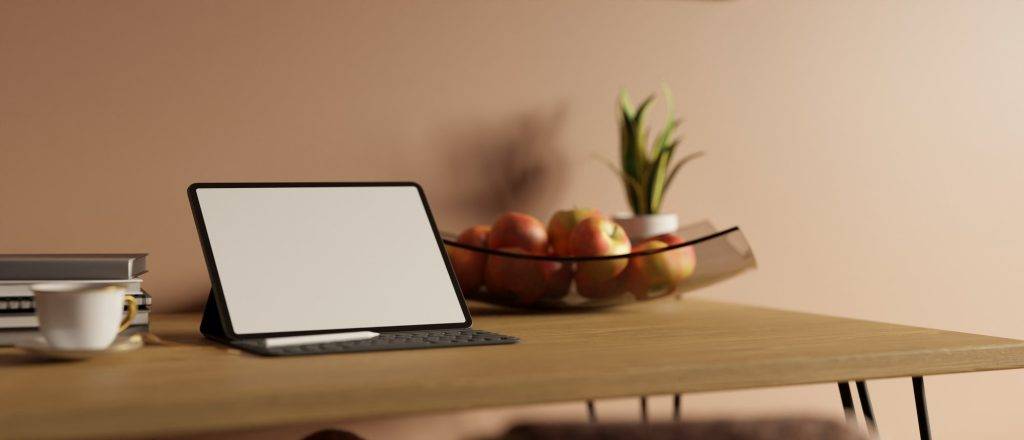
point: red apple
(524, 279)
(517, 230)
(557, 279)
(561, 225)
(687, 255)
(599, 236)
(661, 270)
(469, 264)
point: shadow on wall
(516, 165)
(481, 171)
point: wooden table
(663, 347)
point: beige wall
(870, 150)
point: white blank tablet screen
(327, 258)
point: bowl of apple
(582, 258)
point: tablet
(307, 258)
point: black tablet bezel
(211, 264)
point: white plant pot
(642, 227)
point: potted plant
(647, 170)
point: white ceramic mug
(79, 316)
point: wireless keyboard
(386, 341)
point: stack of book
(19, 271)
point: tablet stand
(211, 325)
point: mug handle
(133, 309)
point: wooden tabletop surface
(191, 385)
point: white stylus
(282, 341)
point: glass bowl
(550, 282)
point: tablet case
(211, 326)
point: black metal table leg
(643, 408)
(677, 407)
(847, 397)
(922, 409)
(591, 411)
(865, 406)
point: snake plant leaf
(656, 180)
(628, 128)
(641, 132)
(634, 154)
(648, 151)
(639, 113)
(629, 158)
(626, 104)
(663, 136)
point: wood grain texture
(662, 347)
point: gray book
(25, 303)
(10, 288)
(71, 266)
